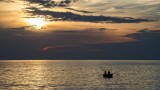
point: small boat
(107, 75)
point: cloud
(69, 49)
(88, 30)
(7, 1)
(18, 43)
(49, 48)
(83, 11)
(111, 9)
(69, 16)
(55, 37)
(53, 3)
(146, 35)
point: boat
(107, 75)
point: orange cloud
(57, 47)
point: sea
(79, 75)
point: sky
(80, 29)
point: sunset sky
(80, 29)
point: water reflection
(73, 75)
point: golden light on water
(38, 23)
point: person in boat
(107, 75)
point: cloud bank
(69, 16)
(52, 3)
(17, 43)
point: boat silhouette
(107, 75)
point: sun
(38, 23)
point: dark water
(79, 75)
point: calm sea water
(79, 75)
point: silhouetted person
(108, 72)
(105, 73)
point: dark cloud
(52, 3)
(18, 43)
(146, 35)
(22, 39)
(69, 16)
(83, 11)
(60, 48)
(146, 48)
(86, 31)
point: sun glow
(37, 23)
